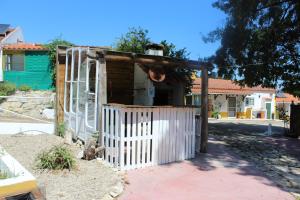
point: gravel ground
(90, 179)
(278, 157)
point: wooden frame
(106, 55)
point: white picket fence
(136, 137)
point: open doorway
(162, 97)
(231, 107)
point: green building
(26, 64)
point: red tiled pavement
(219, 175)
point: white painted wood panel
(137, 137)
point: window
(249, 101)
(15, 62)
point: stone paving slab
(220, 174)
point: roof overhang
(143, 59)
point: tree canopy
(136, 40)
(52, 54)
(260, 43)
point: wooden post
(204, 110)
(102, 96)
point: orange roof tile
(287, 98)
(24, 46)
(221, 86)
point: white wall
(144, 90)
(260, 100)
(14, 37)
(26, 128)
(220, 103)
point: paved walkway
(219, 175)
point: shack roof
(112, 55)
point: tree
(52, 54)
(136, 40)
(260, 43)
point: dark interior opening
(162, 97)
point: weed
(61, 129)
(6, 89)
(3, 175)
(57, 158)
(24, 88)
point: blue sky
(100, 23)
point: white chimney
(154, 49)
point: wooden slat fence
(136, 137)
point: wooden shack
(131, 100)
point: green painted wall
(36, 74)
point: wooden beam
(204, 110)
(152, 60)
(60, 88)
(102, 97)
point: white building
(227, 99)
(8, 35)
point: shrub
(3, 175)
(24, 88)
(7, 89)
(215, 114)
(61, 129)
(57, 158)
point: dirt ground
(90, 179)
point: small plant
(61, 129)
(24, 88)
(215, 114)
(7, 89)
(3, 175)
(57, 158)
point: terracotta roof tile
(287, 98)
(221, 86)
(24, 46)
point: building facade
(26, 64)
(228, 100)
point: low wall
(19, 180)
(26, 128)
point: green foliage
(52, 54)
(4, 175)
(215, 114)
(136, 40)
(24, 88)
(171, 51)
(57, 158)
(259, 43)
(6, 89)
(282, 114)
(61, 129)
